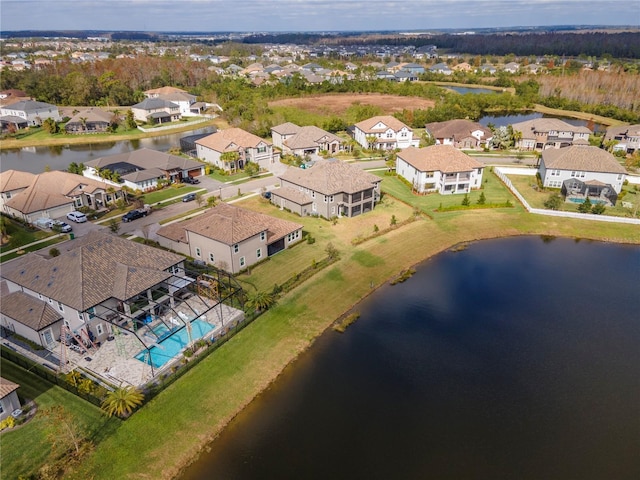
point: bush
(553, 202)
(585, 207)
(465, 201)
(598, 209)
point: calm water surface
(34, 159)
(515, 359)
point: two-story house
(439, 168)
(543, 133)
(230, 237)
(156, 110)
(384, 133)
(186, 102)
(626, 136)
(330, 188)
(30, 111)
(249, 148)
(582, 162)
(301, 141)
(460, 133)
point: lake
(516, 358)
(34, 159)
(464, 90)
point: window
(403, 134)
(91, 312)
(259, 253)
(80, 316)
(581, 174)
(198, 253)
(60, 307)
(313, 194)
(212, 259)
(620, 176)
(99, 329)
(8, 194)
(326, 197)
(333, 210)
(262, 149)
(573, 174)
(314, 207)
(389, 135)
(236, 248)
(263, 236)
(242, 262)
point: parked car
(77, 217)
(191, 180)
(266, 195)
(63, 227)
(189, 197)
(134, 215)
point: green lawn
(166, 193)
(527, 187)
(494, 191)
(20, 235)
(26, 448)
(33, 248)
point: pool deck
(115, 360)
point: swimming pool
(168, 348)
(581, 200)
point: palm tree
(122, 401)
(260, 301)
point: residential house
(384, 133)
(512, 67)
(412, 68)
(230, 237)
(249, 147)
(156, 110)
(102, 288)
(52, 194)
(487, 68)
(460, 133)
(442, 68)
(302, 141)
(439, 168)
(462, 67)
(12, 95)
(329, 188)
(543, 133)
(90, 120)
(582, 162)
(577, 191)
(31, 111)
(9, 401)
(626, 136)
(142, 169)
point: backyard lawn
(26, 448)
(20, 235)
(527, 187)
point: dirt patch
(337, 104)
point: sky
(309, 15)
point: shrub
(465, 201)
(553, 202)
(598, 209)
(54, 252)
(482, 199)
(585, 207)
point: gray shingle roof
(331, 177)
(581, 158)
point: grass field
(166, 193)
(26, 448)
(196, 407)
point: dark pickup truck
(135, 214)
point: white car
(77, 217)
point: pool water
(581, 200)
(171, 346)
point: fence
(44, 373)
(556, 213)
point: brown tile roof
(229, 224)
(144, 159)
(390, 122)
(163, 91)
(92, 269)
(292, 194)
(92, 114)
(7, 386)
(581, 158)
(286, 128)
(543, 125)
(310, 137)
(230, 139)
(458, 128)
(330, 177)
(53, 189)
(443, 158)
(15, 179)
(30, 311)
(624, 130)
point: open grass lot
(26, 448)
(525, 185)
(494, 191)
(196, 407)
(285, 264)
(166, 193)
(50, 243)
(20, 235)
(337, 104)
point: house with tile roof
(90, 120)
(230, 237)
(460, 133)
(142, 169)
(582, 162)
(187, 103)
(249, 147)
(439, 168)
(9, 401)
(384, 132)
(543, 133)
(156, 110)
(51, 194)
(301, 141)
(31, 111)
(329, 188)
(107, 304)
(626, 136)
